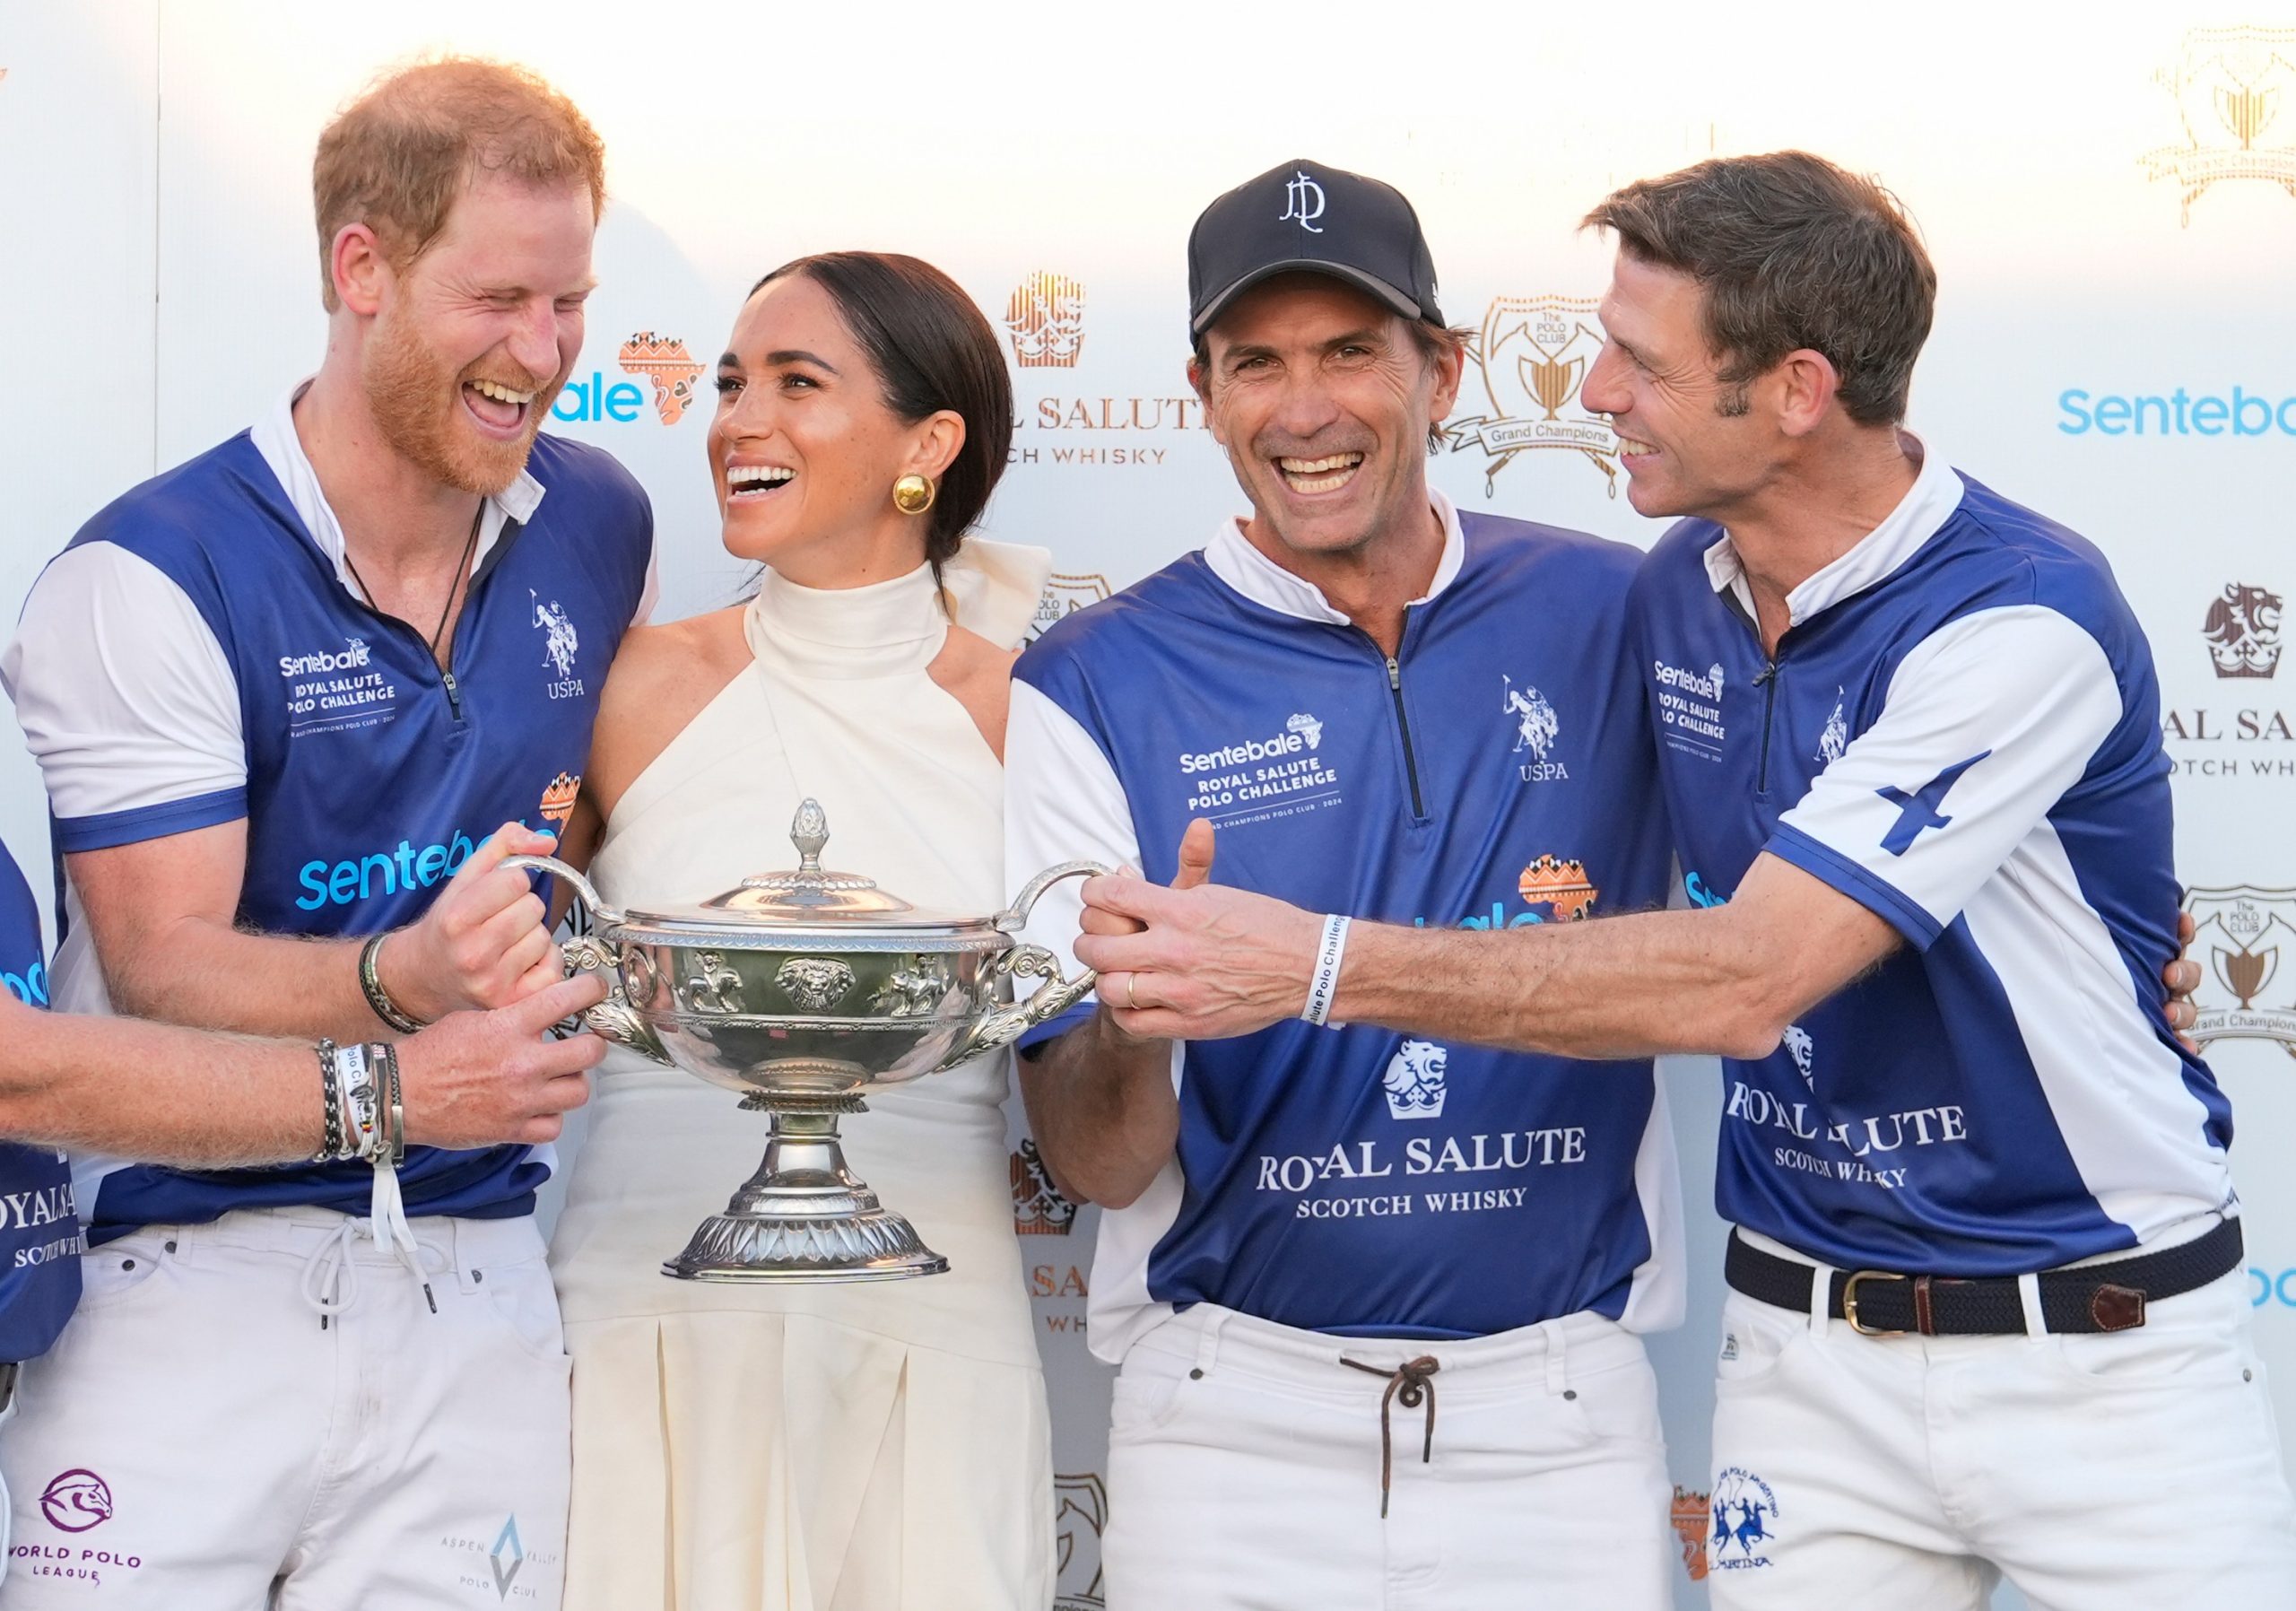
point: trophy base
(805, 1217)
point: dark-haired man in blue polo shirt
(294, 701)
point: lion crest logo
(2243, 632)
(1045, 315)
(1414, 1078)
(1803, 1050)
(1039, 1209)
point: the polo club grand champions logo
(1045, 315)
(1063, 596)
(664, 360)
(1533, 354)
(1080, 1516)
(2245, 940)
(1690, 1514)
(2232, 88)
(76, 1500)
(1038, 1208)
(2243, 632)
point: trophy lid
(809, 896)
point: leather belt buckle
(1850, 1302)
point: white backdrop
(2112, 205)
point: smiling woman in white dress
(879, 1447)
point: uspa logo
(1080, 1517)
(1414, 1080)
(75, 1501)
(1746, 1520)
(664, 360)
(2242, 937)
(1039, 1209)
(1835, 740)
(1063, 596)
(2232, 88)
(1532, 354)
(1536, 728)
(1559, 885)
(2243, 632)
(1690, 1514)
(1045, 318)
(560, 643)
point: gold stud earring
(912, 494)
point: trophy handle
(1005, 1024)
(612, 1019)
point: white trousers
(1244, 1473)
(197, 1441)
(2132, 1471)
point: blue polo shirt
(1497, 772)
(200, 654)
(39, 1232)
(1960, 732)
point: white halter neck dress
(873, 1447)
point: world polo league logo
(2241, 937)
(2231, 89)
(1532, 353)
(76, 1500)
(2243, 632)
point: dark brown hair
(932, 349)
(395, 159)
(1790, 252)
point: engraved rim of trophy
(802, 990)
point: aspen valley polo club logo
(1063, 596)
(1044, 319)
(1532, 354)
(2245, 940)
(662, 361)
(2235, 92)
(2255, 738)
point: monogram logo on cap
(1303, 199)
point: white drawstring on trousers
(331, 1275)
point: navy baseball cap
(1304, 217)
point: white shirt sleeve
(650, 594)
(1062, 803)
(126, 701)
(1986, 725)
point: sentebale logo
(1304, 200)
(664, 360)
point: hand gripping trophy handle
(1007, 1022)
(612, 1019)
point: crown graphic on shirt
(558, 799)
(1561, 886)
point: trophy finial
(809, 831)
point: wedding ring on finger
(1132, 992)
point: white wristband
(1323, 984)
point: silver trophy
(803, 991)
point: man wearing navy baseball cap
(1316, 1236)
